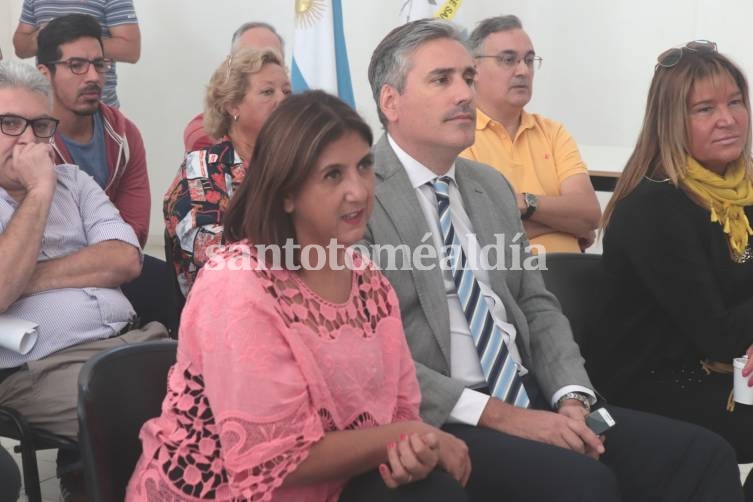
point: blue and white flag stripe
(320, 56)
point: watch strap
(530, 208)
(578, 396)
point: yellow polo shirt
(541, 156)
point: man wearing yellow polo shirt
(537, 155)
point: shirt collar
(483, 120)
(418, 174)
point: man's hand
(566, 429)
(574, 409)
(587, 240)
(33, 167)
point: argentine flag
(320, 59)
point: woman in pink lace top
(293, 379)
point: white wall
(598, 60)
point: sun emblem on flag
(309, 12)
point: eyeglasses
(511, 59)
(671, 57)
(79, 66)
(15, 125)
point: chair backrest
(119, 390)
(577, 280)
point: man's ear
(389, 102)
(44, 70)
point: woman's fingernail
(403, 436)
(391, 445)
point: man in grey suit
(422, 78)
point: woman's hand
(748, 369)
(410, 459)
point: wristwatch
(532, 203)
(584, 399)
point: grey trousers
(46, 392)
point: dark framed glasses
(671, 57)
(15, 125)
(79, 66)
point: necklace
(665, 180)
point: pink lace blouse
(265, 368)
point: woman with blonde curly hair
(242, 92)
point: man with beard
(96, 137)
(103, 143)
(536, 154)
(121, 36)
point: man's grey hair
(491, 25)
(390, 61)
(250, 26)
(18, 75)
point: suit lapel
(398, 199)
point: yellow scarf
(725, 197)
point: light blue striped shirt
(81, 215)
(109, 13)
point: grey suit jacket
(544, 337)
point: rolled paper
(18, 335)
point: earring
(235, 117)
(287, 205)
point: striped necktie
(500, 370)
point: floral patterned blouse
(265, 368)
(194, 205)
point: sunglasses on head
(671, 57)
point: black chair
(14, 425)
(10, 478)
(577, 280)
(119, 390)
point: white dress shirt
(465, 365)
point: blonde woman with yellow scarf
(677, 252)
